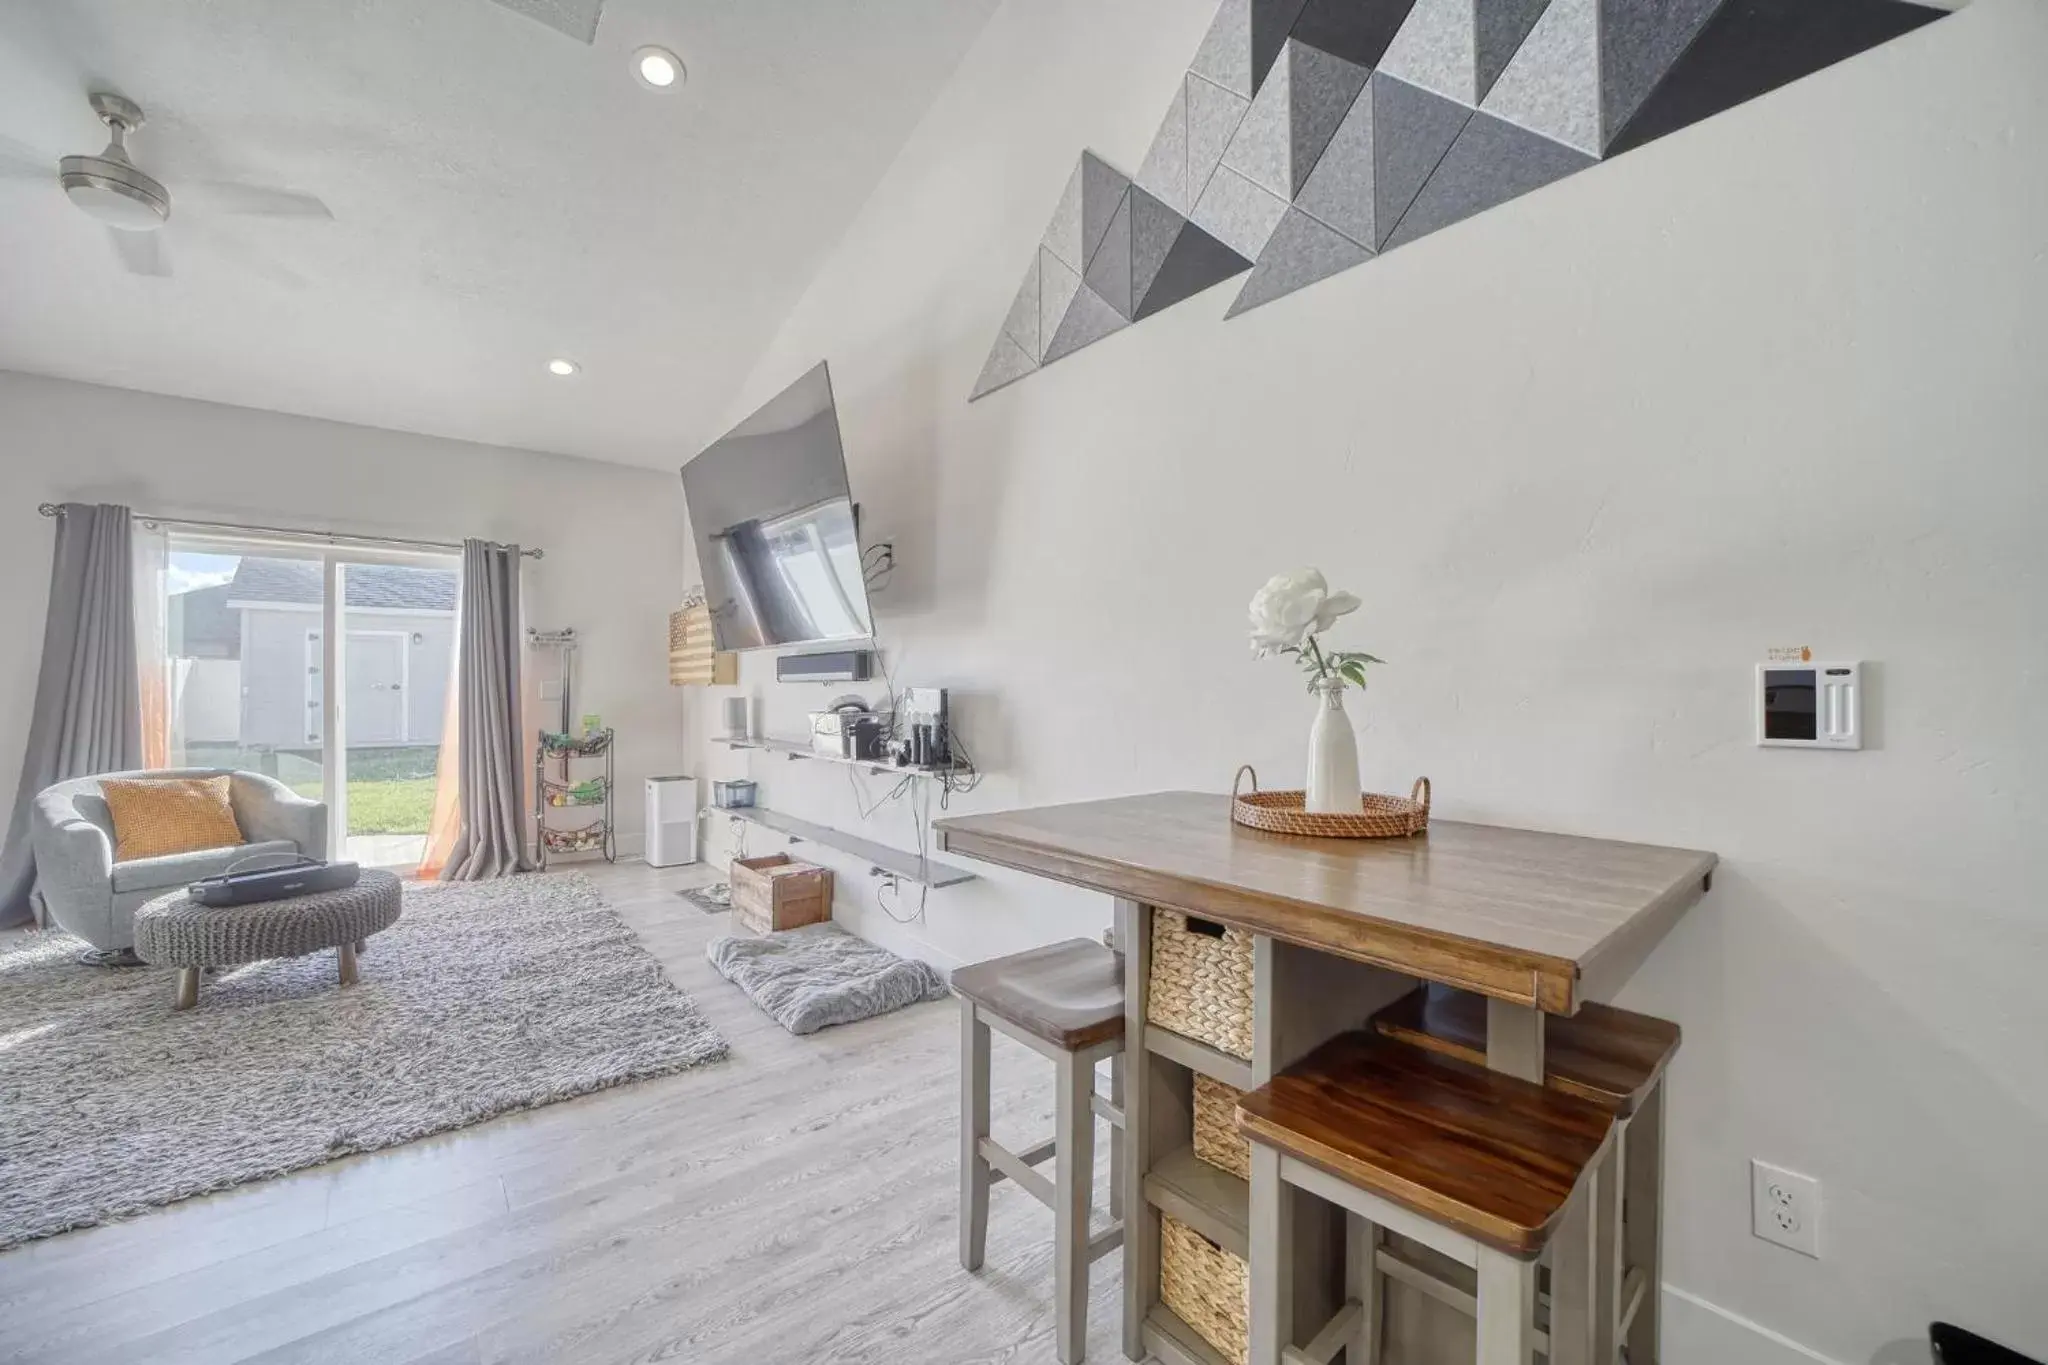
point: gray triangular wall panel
(1238, 213)
(1412, 129)
(1272, 21)
(1491, 163)
(1321, 90)
(1258, 149)
(1063, 233)
(1109, 272)
(1225, 57)
(1638, 45)
(1269, 153)
(1089, 319)
(1057, 286)
(1552, 86)
(1021, 326)
(1213, 116)
(1356, 30)
(1433, 50)
(1752, 47)
(1165, 172)
(1499, 26)
(1103, 188)
(1300, 252)
(1339, 191)
(1006, 364)
(1154, 226)
(1196, 262)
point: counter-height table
(1536, 923)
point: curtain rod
(51, 509)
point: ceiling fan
(134, 204)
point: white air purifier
(671, 821)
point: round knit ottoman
(175, 931)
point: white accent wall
(1779, 379)
(614, 536)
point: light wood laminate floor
(796, 1202)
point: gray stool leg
(1272, 1259)
(1116, 1145)
(1507, 1309)
(1609, 1271)
(1573, 1275)
(1362, 1286)
(1643, 1223)
(1074, 1193)
(346, 955)
(188, 988)
(974, 1171)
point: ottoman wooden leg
(188, 988)
(347, 953)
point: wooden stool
(1472, 1163)
(1065, 1002)
(1616, 1059)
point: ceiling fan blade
(142, 252)
(260, 201)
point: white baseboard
(874, 924)
(1700, 1333)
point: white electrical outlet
(1784, 1207)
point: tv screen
(774, 525)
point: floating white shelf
(880, 857)
(796, 748)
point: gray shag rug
(815, 977)
(485, 997)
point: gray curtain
(88, 711)
(492, 840)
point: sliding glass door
(329, 670)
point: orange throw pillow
(156, 816)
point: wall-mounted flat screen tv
(774, 524)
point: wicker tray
(1379, 817)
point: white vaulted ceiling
(501, 194)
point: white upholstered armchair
(87, 893)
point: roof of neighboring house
(203, 626)
(367, 585)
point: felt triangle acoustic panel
(1308, 137)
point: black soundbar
(846, 665)
(273, 884)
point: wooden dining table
(1536, 923)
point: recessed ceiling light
(657, 68)
(562, 367)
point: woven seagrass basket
(1202, 982)
(1379, 817)
(1217, 1140)
(1208, 1287)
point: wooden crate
(778, 892)
(691, 657)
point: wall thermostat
(1809, 705)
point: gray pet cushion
(812, 978)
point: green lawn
(386, 807)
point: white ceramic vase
(1332, 755)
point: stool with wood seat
(1066, 1002)
(1475, 1164)
(1616, 1059)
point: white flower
(1292, 607)
(1335, 605)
